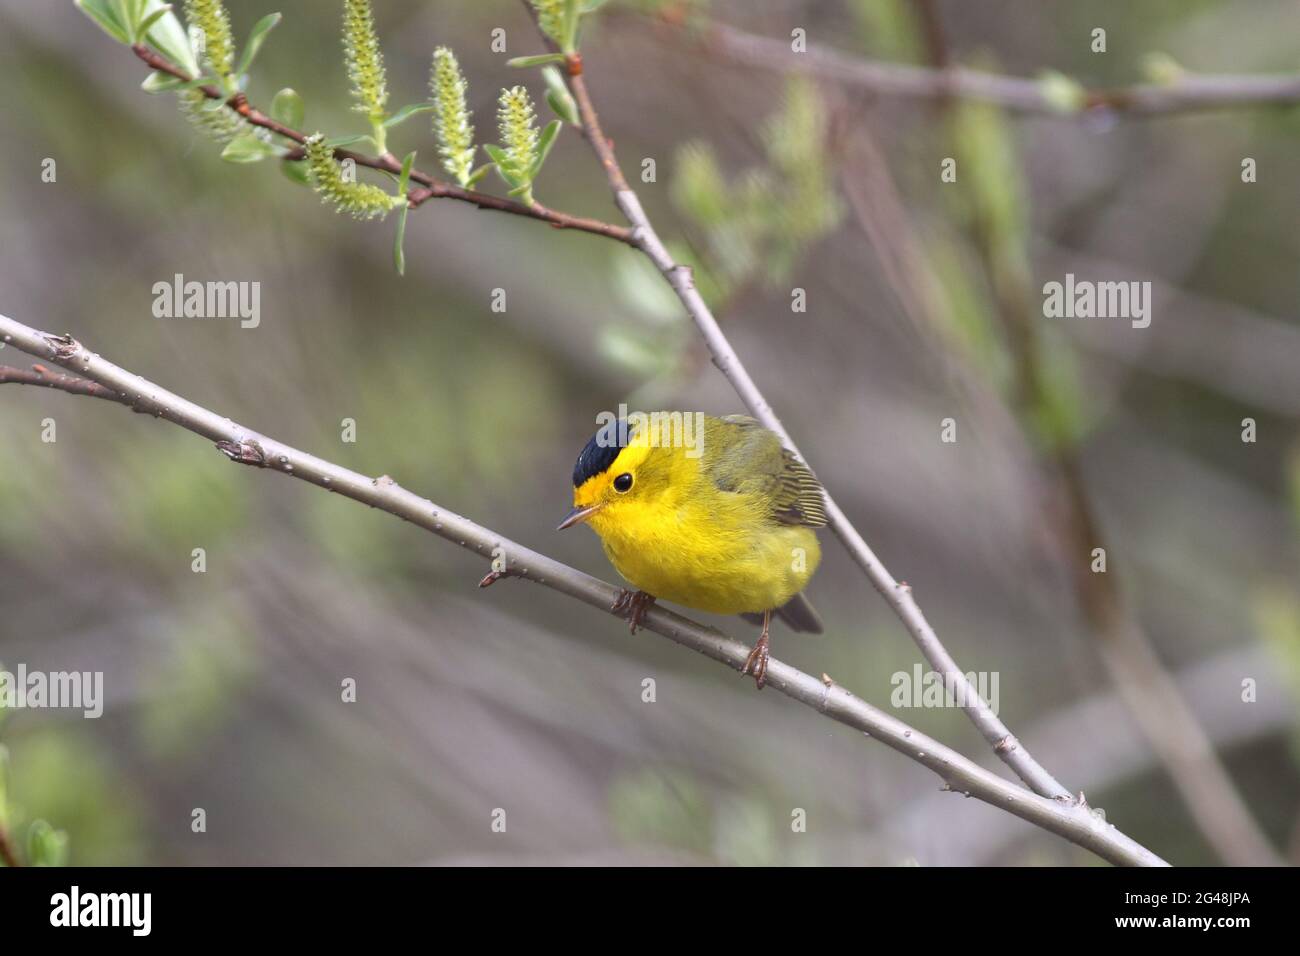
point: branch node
(493, 576)
(247, 452)
(63, 346)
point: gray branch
(1065, 817)
(1186, 93)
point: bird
(714, 514)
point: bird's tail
(798, 615)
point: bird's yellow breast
(707, 549)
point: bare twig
(1076, 823)
(40, 375)
(1188, 93)
(431, 188)
(1152, 697)
(1150, 694)
(897, 594)
(8, 856)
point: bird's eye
(623, 482)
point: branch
(897, 594)
(40, 375)
(1145, 689)
(1149, 692)
(1188, 93)
(8, 856)
(1073, 821)
(432, 188)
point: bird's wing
(747, 458)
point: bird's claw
(756, 663)
(632, 605)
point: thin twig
(432, 188)
(40, 375)
(1075, 822)
(1188, 93)
(897, 594)
(8, 855)
(1166, 720)
(1144, 685)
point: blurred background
(923, 303)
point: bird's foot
(756, 663)
(632, 605)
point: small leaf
(247, 148)
(1062, 93)
(287, 108)
(255, 40)
(501, 161)
(404, 179)
(339, 141)
(559, 98)
(541, 59)
(106, 15)
(46, 846)
(1162, 68)
(170, 39)
(406, 112)
(151, 19)
(399, 256)
(158, 82)
(296, 171)
(213, 104)
(478, 174)
(569, 41)
(591, 6)
(4, 786)
(544, 146)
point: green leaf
(287, 107)
(4, 786)
(591, 6)
(255, 40)
(399, 256)
(169, 38)
(404, 179)
(559, 98)
(247, 148)
(213, 104)
(478, 174)
(296, 172)
(406, 112)
(500, 159)
(106, 15)
(572, 10)
(1062, 93)
(151, 19)
(544, 145)
(46, 846)
(158, 82)
(541, 59)
(340, 141)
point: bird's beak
(577, 515)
